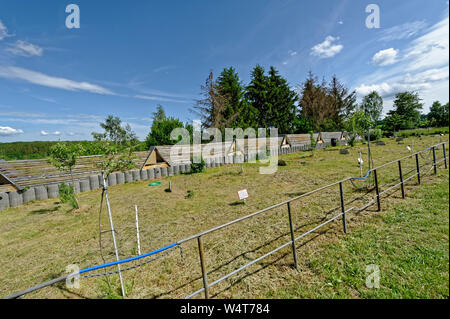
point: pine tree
(281, 103)
(256, 94)
(228, 85)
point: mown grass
(39, 240)
(408, 242)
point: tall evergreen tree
(256, 94)
(342, 103)
(281, 103)
(229, 86)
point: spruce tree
(281, 103)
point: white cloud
(403, 31)
(430, 49)
(385, 57)
(12, 72)
(341, 22)
(327, 49)
(7, 131)
(292, 52)
(3, 31)
(158, 98)
(423, 67)
(44, 133)
(25, 49)
(409, 82)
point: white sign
(243, 194)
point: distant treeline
(40, 149)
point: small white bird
(360, 161)
(409, 148)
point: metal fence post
(344, 222)
(418, 168)
(294, 252)
(401, 178)
(445, 156)
(434, 160)
(377, 189)
(202, 263)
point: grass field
(408, 239)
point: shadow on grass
(263, 265)
(238, 203)
(44, 210)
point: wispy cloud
(164, 68)
(8, 131)
(423, 66)
(25, 49)
(385, 57)
(403, 31)
(159, 98)
(409, 82)
(327, 49)
(56, 133)
(12, 72)
(4, 31)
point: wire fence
(390, 181)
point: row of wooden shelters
(18, 175)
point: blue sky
(129, 56)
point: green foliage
(360, 122)
(372, 105)
(301, 124)
(160, 131)
(236, 107)
(111, 289)
(115, 158)
(190, 194)
(393, 122)
(326, 106)
(64, 156)
(198, 167)
(439, 114)
(375, 134)
(406, 112)
(115, 132)
(272, 100)
(67, 195)
(41, 149)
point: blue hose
(127, 259)
(367, 175)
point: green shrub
(198, 167)
(67, 195)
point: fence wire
(391, 184)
